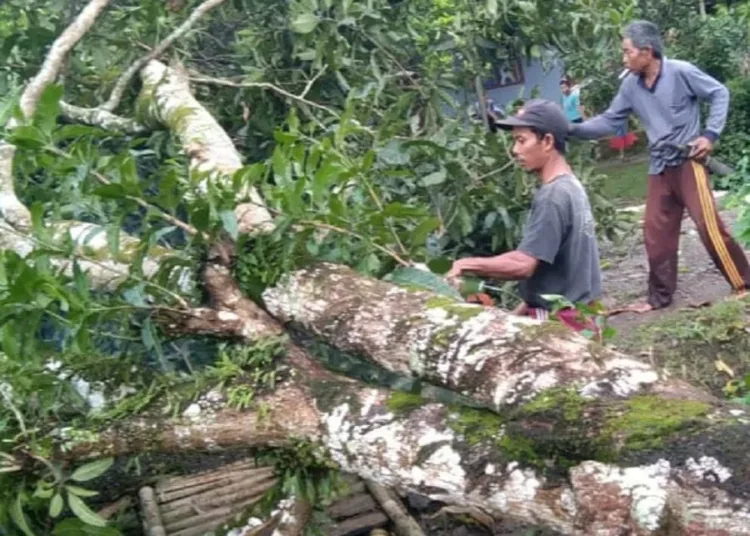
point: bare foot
(738, 295)
(638, 308)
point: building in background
(524, 78)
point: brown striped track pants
(669, 194)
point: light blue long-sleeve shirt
(669, 111)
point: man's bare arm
(511, 266)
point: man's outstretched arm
(605, 123)
(512, 266)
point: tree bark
(498, 359)
(610, 462)
(102, 118)
(692, 480)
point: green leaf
(8, 105)
(433, 179)
(441, 265)
(421, 232)
(67, 132)
(229, 222)
(410, 277)
(28, 136)
(76, 527)
(394, 154)
(48, 108)
(82, 286)
(92, 470)
(305, 23)
(56, 506)
(81, 492)
(609, 332)
(84, 513)
(111, 191)
(19, 518)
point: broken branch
(122, 83)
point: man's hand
(700, 148)
(456, 270)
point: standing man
(571, 101)
(665, 95)
(559, 253)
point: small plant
(305, 472)
(59, 490)
(244, 369)
(592, 316)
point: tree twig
(122, 83)
(329, 227)
(312, 81)
(267, 85)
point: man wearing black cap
(558, 253)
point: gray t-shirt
(560, 232)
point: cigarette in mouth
(623, 74)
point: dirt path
(625, 276)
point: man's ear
(548, 141)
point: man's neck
(651, 73)
(554, 168)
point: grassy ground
(709, 347)
(627, 180)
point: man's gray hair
(645, 34)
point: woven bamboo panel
(196, 505)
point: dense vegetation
(354, 120)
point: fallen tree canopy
(546, 427)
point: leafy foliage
(375, 164)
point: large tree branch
(102, 118)
(167, 100)
(507, 466)
(12, 210)
(577, 464)
(57, 54)
(205, 426)
(494, 357)
(91, 250)
(122, 83)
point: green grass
(690, 343)
(626, 184)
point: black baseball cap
(543, 115)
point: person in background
(665, 95)
(571, 101)
(559, 252)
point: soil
(626, 272)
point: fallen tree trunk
(640, 466)
(602, 463)
(498, 359)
